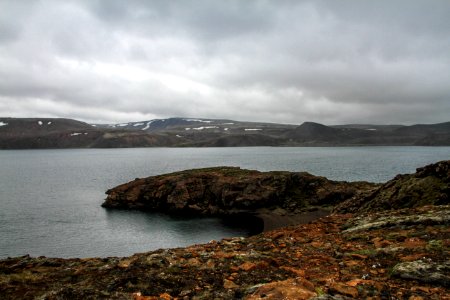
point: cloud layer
(275, 61)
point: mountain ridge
(42, 133)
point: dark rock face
(228, 190)
(429, 185)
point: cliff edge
(230, 190)
(428, 185)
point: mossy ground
(318, 258)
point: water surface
(50, 199)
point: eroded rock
(295, 288)
(228, 190)
(430, 185)
(424, 271)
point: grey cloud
(345, 61)
(13, 19)
(209, 20)
(279, 61)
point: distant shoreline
(55, 133)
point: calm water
(50, 199)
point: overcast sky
(331, 62)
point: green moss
(435, 245)
(394, 236)
(25, 276)
(319, 291)
(357, 237)
(173, 269)
(366, 252)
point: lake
(50, 199)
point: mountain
(45, 133)
(35, 133)
(34, 126)
(426, 134)
(26, 133)
(315, 134)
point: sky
(282, 61)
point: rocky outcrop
(336, 257)
(230, 190)
(279, 198)
(429, 185)
(424, 271)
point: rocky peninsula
(278, 198)
(380, 241)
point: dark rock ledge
(279, 198)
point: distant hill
(33, 126)
(369, 127)
(42, 133)
(35, 133)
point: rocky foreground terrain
(388, 242)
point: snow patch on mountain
(78, 133)
(197, 120)
(148, 125)
(3, 124)
(205, 127)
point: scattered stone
(343, 289)
(247, 266)
(374, 221)
(287, 289)
(228, 284)
(423, 271)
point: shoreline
(263, 220)
(325, 258)
(272, 221)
